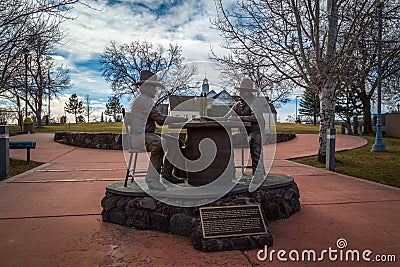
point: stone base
(228, 243)
(278, 198)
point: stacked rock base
(278, 198)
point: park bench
(28, 145)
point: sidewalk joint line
(75, 148)
(72, 170)
(67, 180)
(49, 216)
(247, 257)
(350, 202)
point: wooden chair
(240, 141)
(131, 171)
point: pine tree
(74, 106)
(102, 117)
(348, 105)
(309, 105)
(113, 107)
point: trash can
(4, 152)
(343, 129)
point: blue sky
(184, 22)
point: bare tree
(362, 72)
(305, 44)
(392, 93)
(237, 65)
(58, 81)
(121, 65)
(20, 21)
(40, 47)
(41, 78)
(177, 81)
(28, 31)
(88, 107)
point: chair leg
(128, 170)
(242, 160)
(28, 155)
(134, 166)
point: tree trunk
(40, 91)
(39, 117)
(366, 103)
(39, 111)
(327, 113)
(348, 126)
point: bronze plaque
(232, 221)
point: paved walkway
(50, 216)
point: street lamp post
(379, 145)
(296, 119)
(26, 82)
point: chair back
(133, 144)
(127, 122)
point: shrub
(28, 120)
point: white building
(189, 106)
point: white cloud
(186, 24)
(57, 106)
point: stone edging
(113, 141)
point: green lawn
(381, 167)
(296, 128)
(117, 127)
(19, 166)
(299, 128)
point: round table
(220, 133)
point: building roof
(192, 103)
(175, 100)
(185, 103)
(211, 94)
(224, 97)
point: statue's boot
(167, 173)
(153, 174)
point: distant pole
(297, 116)
(26, 83)
(379, 146)
(19, 113)
(4, 152)
(48, 111)
(65, 116)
